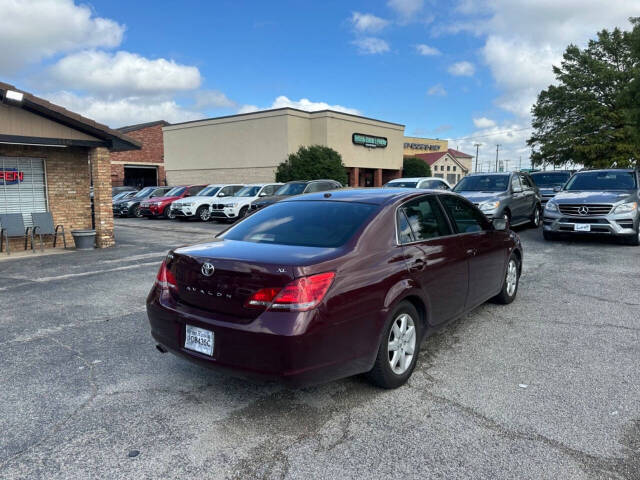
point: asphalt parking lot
(547, 387)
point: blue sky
(466, 70)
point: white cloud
(124, 110)
(524, 38)
(371, 45)
(213, 99)
(462, 69)
(31, 30)
(406, 8)
(123, 73)
(426, 50)
(306, 104)
(437, 90)
(366, 22)
(483, 122)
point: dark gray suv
(511, 196)
(596, 201)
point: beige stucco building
(416, 145)
(249, 147)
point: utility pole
(520, 163)
(497, 150)
(506, 165)
(477, 145)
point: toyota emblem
(207, 269)
(583, 210)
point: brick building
(49, 157)
(144, 167)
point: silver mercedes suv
(596, 202)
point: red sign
(11, 176)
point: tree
(312, 163)
(415, 167)
(587, 117)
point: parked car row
(589, 201)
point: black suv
(550, 182)
(130, 207)
(296, 187)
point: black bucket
(84, 239)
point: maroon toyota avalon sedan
(334, 284)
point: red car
(333, 284)
(161, 206)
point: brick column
(377, 177)
(101, 175)
(354, 177)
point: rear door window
(425, 219)
(465, 217)
(194, 190)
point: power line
(492, 134)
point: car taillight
(302, 294)
(165, 279)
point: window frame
(399, 209)
(485, 224)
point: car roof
(225, 184)
(548, 171)
(415, 179)
(314, 180)
(377, 196)
(490, 173)
(628, 170)
(263, 184)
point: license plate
(581, 227)
(199, 340)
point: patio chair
(43, 225)
(12, 225)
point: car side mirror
(221, 194)
(499, 224)
(263, 194)
(516, 189)
(557, 188)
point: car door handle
(417, 265)
(472, 252)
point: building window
(23, 186)
(454, 168)
(448, 168)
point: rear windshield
(550, 179)
(602, 181)
(175, 191)
(291, 189)
(323, 224)
(483, 183)
(402, 184)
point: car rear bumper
(276, 346)
(615, 225)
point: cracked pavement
(547, 387)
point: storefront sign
(369, 140)
(11, 176)
(421, 146)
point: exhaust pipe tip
(161, 349)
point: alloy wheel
(170, 215)
(137, 213)
(536, 217)
(512, 277)
(205, 215)
(401, 343)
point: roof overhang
(108, 138)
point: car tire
(548, 236)
(510, 283)
(242, 213)
(384, 374)
(203, 213)
(136, 212)
(168, 214)
(535, 217)
(506, 216)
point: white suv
(198, 206)
(238, 206)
